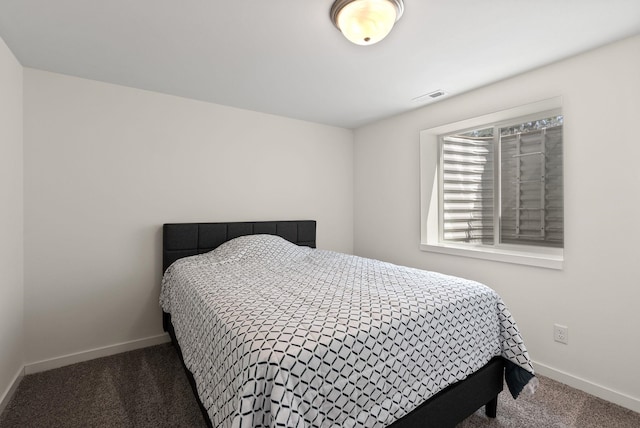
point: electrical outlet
(561, 333)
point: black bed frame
(445, 409)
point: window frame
(431, 196)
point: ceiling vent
(430, 96)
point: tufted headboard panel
(188, 239)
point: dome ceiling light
(365, 22)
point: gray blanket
(281, 335)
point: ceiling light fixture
(365, 22)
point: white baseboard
(92, 354)
(8, 394)
(589, 387)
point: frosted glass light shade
(365, 22)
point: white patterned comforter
(281, 335)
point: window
(497, 188)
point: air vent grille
(430, 96)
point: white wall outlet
(561, 333)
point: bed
(313, 397)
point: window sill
(549, 260)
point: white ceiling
(285, 57)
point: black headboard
(188, 239)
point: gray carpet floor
(148, 388)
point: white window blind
(467, 187)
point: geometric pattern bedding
(281, 335)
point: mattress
(281, 335)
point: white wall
(11, 221)
(597, 293)
(106, 165)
